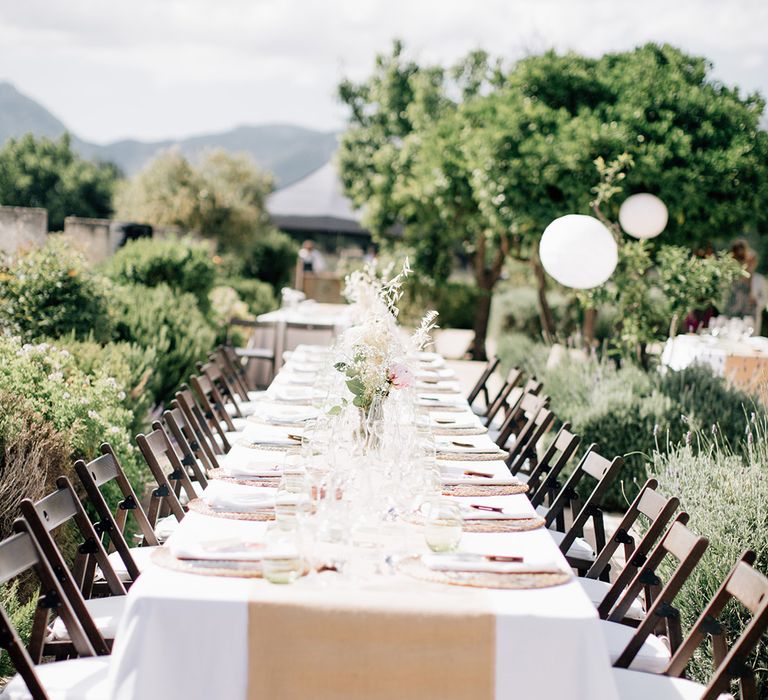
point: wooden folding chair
(744, 586)
(684, 549)
(97, 474)
(168, 468)
(502, 398)
(481, 386)
(212, 404)
(206, 421)
(543, 480)
(19, 554)
(571, 542)
(58, 509)
(522, 454)
(253, 351)
(232, 402)
(520, 423)
(649, 645)
(652, 512)
(229, 368)
(182, 431)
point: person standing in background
(311, 258)
(758, 290)
(741, 300)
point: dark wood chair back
(95, 475)
(502, 398)
(543, 481)
(749, 588)
(19, 554)
(683, 549)
(231, 368)
(481, 386)
(653, 512)
(58, 509)
(603, 473)
(212, 405)
(190, 435)
(218, 379)
(520, 414)
(524, 455)
(167, 468)
(196, 415)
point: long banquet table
(359, 635)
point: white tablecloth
(185, 636)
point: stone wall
(94, 237)
(22, 227)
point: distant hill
(289, 152)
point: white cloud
(154, 68)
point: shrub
(33, 453)
(270, 257)
(259, 296)
(184, 264)
(707, 400)
(725, 493)
(516, 310)
(49, 292)
(518, 350)
(456, 302)
(20, 609)
(169, 322)
(131, 365)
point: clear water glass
(444, 525)
(282, 561)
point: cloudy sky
(160, 68)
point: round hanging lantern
(578, 251)
(643, 215)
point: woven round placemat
(472, 456)
(254, 481)
(415, 567)
(484, 489)
(533, 523)
(198, 505)
(163, 557)
(459, 431)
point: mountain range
(289, 152)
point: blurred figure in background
(758, 289)
(741, 300)
(311, 258)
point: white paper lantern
(578, 251)
(643, 215)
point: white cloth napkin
(231, 549)
(447, 386)
(441, 421)
(294, 393)
(455, 475)
(238, 498)
(475, 514)
(278, 413)
(432, 401)
(476, 563)
(443, 373)
(246, 461)
(449, 447)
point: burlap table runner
(371, 645)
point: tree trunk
(588, 329)
(482, 316)
(545, 312)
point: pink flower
(399, 376)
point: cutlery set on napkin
(487, 563)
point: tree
(49, 174)
(223, 197)
(402, 160)
(488, 157)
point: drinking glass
(282, 561)
(444, 525)
(292, 497)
